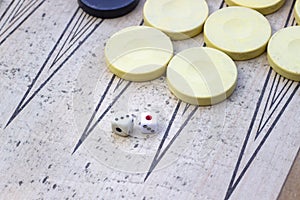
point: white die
(122, 124)
(148, 123)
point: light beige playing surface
(56, 89)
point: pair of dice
(123, 124)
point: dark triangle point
(77, 146)
(147, 176)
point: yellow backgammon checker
(263, 6)
(240, 32)
(284, 52)
(179, 19)
(297, 12)
(202, 76)
(138, 53)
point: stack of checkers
(203, 75)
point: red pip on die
(148, 123)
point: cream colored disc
(240, 32)
(263, 6)
(202, 76)
(283, 52)
(297, 12)
(180, 19)
(138, 53)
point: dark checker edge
(108, 13)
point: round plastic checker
(263, 6)
(179, 19)
(202, 76)
(297, 12)
(240, 32)
(108, 8)
(138, 53)
(283, 52)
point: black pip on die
(122, 124)
(148, 123)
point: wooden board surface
(291, 188)
(58, 98)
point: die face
(148, 123)
(122, 125)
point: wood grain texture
(58, 98)
(291, 188)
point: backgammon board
(58, 99)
